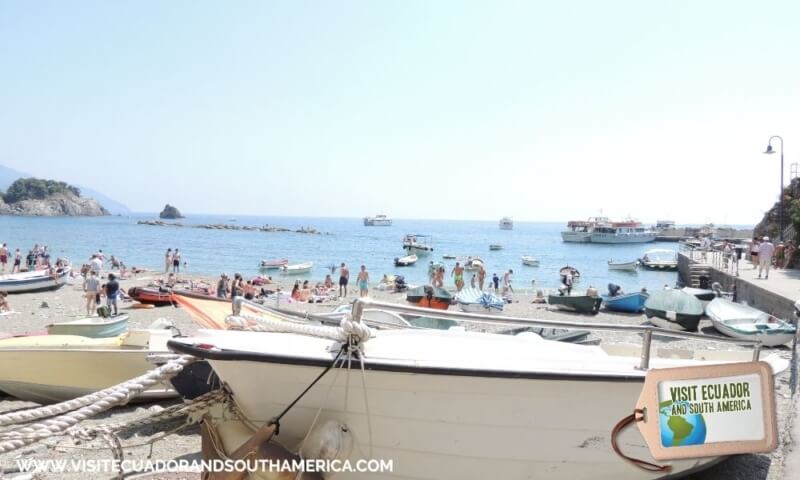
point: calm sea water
(210, 252)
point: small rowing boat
(495, 246)
(33, 281)
(475, 301)
(623, 266)
(530, 261)
(274, 264)
(406, 261)
(92, 327)
(628, 303)
(743, 321)
(673, 309)
(576, 303)
(158, 296)
(429, 297)
(297, 269)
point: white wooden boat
(625, 266)
(449, 405)
(506, 223)
(33, 281)
(53, 368)
(92, 327)
(475, 301)
(473, 263)
(660, 259)
(530, 261)
(406, 261)
(274, 264)
(743, 321)
(297, 269)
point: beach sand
(68, 303)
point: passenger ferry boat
(378, 221)
(580, 231)
(506, 223)
(628, 231)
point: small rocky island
(170, 212)
(47, 198)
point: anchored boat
(660, 259)
(530, 261)
(406, 261)
(274, 264)
(297, 269)
(624, 266)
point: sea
(211, 252)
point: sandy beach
(35, 310)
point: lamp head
(769, 149)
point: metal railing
(723, 261)
(360, 304)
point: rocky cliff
(170, 212)
(58, 204)
(770, 224)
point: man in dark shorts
(344, 277)
(112, 293)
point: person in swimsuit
(17, 261)
(3, 257)
(458, 276)
(167, 260)
(363, 281)
(481, 277)
(176, 261)
(344, 276)
(754, 253)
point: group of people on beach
(38, 258)
(478, 280)
(172, 259)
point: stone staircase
(696, 270)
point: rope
(636, 416)
(347, 328)
(118, 395)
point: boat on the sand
(158, 296)
(576, 303)
(743, 321)
(429, 297)
(702, 294)
(473, 300)
(673, 309)
(92, 327)
(33, 281)
(627, 303)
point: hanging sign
(705, 411)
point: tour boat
(629, 231)
(92, 327)
(448, 404)
(475, 301)
(743, 321)
(378, 221)
(624, 266)
(673, 309)
(274, 264)
(406, 261)
(530, 261)
(576, 303)
(580, 231)
(54, 368)
(429, 297)
(33, 281)
(506, 223)
(418, 244)
(297, 269)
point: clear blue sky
(424, 109)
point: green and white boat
(743, 321)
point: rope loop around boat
(636, 416)
(346, 331)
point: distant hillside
(9, 175)
(47, 198)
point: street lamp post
(769, 150)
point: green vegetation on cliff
(37, 189)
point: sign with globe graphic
(679, 430)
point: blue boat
(629, 303)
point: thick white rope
(347, 328)
(26, 435)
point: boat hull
(92, 328)
(745, 322)
(659, 318)
(598, 237)
(444, 430)
(151, 296)
(660, 265)
(38, 281)
(627, 266)
(630, 303)
(576, 237)
(580, 304)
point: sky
(543, 111)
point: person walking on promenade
(176, 261)
(481, 277)
(3, 257)
(780, 250)
(363, 281)
(112, 292)
(754, 253)
(91, 289)
(344, 277)
(458, 276)
(765, 251)
(167, 260)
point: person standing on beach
(3, 257)
(96, 265)
(17, 261)
(344, 277)
(481, 277)
(222, 286)
(167, 260)
(363, 281)
(176, 261)
(112, 292)
(765, 251)
(754, 253)
(458, 276)
(507, 281)
(496, 282)
(91, 289)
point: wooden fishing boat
(158, 296)
(297, 269)
(423, 401)
(673, 309)
(430, 297)
(475, 301)
(406, 261)
(743, 321)
(628, 303)
(577, 303)
(624, 266)
(660, 259)
(530, 261)
(92, 327)
(54, 368)
(274, 264)
(33, 281)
